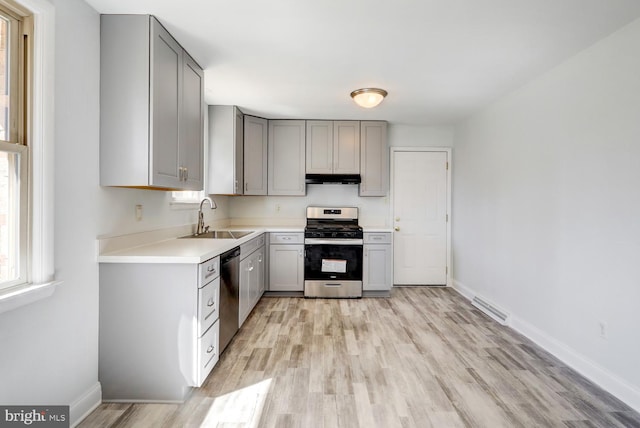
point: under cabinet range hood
(332, 179)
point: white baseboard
(85, 404)
(608, 381)
(619, 388)
(463, 290)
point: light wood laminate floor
(423, 358)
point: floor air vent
(489, 309)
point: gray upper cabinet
(226, 151)
(319, 147)
(374, 159)
(286, 157)
(192, 125)
(151, 107)
(333, 147)
(255, 155)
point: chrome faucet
(201, 227)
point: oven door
(333, 268)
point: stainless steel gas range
(333, 253)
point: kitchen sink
(221, 234)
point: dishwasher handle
(229, 255)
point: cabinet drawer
(208, 299)
(287, 238)
(208, 270)
(249, 247)
(208, 352)
(377, 238)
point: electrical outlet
(603, 329)
(277, 208)
(138, 212)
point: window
(14, 162)
(187, 197)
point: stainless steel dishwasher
(229, 296)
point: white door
(420, 217)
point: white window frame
(41, 281)
(186, 197)
(23, 208)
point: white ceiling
(440, 60)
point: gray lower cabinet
(151, 107)
(286, 261)
(377, 262)
(158, 332)
(252, 276)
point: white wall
(420, 136)
(49, 349)
(546, 209)
(374, 211)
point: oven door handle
(313, 241)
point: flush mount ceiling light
(368, 97)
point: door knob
(397, 228)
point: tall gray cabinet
(151, 107)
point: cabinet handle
(186, 174)
(180, 174)
(211, 269)
(246, 187)
(210, 349)
(260, 259)
(210, 302)
(300, 253)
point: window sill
(22, 295)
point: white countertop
(196, 250)
(189, 250)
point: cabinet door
(244, 306)
(225, 157)
(286, 267)
(374, 158)
(166, 95)
(192, 125)
(286, 157)
(346, 147)
(261, 273)
(319, 147)
(255, 155)
(254, 283)
(376, 275)
(239, 157)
